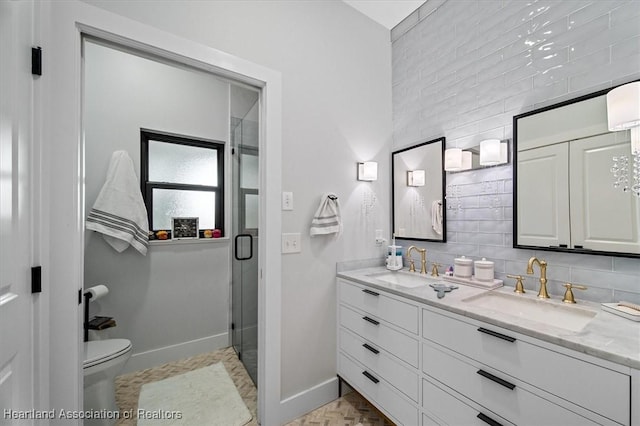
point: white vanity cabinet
(423, 365)
(379, 349)
(522, 379)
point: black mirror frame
(444, 202)
(515, 179)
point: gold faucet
(423, 259)
(543, 294)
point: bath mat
(206, 396)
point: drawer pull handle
(496, 334)
(371, 348)
(498, 380)
(488, 420)
(370, 377)
(371, 320)
(371, 292)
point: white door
(543, 196)
(602, 217)
(17, 306)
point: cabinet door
(543, 196)
(602, 217)
(442, 408)
(377, 391)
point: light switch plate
(287, 201)
(291, 243)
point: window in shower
(182, 177)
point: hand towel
(436, 216)
(327, 219)
(119, 212)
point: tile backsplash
(463, 69)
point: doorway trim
(63, 187)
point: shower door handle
(250, 246)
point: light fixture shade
(623, 107)
(416, 178)
(453, 159)
(490, 152)
(467, 160)
(368, 171)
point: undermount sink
(556, 314)
(402, 279)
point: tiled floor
(350, 410)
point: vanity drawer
(377, 332)
(499, 392)
(590, 386)
(380, 363)
(445, 409)
(384, 396)
(377, 303)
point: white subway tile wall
(463, 69)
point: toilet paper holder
(93, 293)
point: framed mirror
(419, 209)
(564, 194)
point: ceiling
(389, 13)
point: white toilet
(103, 361)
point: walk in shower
(245, 184)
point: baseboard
(155, 357)
(301, 403)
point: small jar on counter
(483, 270)
(462, 267)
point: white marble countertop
(606, 336)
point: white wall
(463, 69)
(178, 293)
(336, 73)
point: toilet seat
(100, 351)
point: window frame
(147, 186)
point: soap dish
(623, 311)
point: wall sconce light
(466, 160)
(493, 152)
(415, 178)
(623, 112)
(452, 159)
(457, 160)
(368, 171)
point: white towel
(436, 216)
(327, 219)
(119, 212)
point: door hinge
(36, 60)
(36, 279)
(233, 326)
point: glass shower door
(244, 282)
